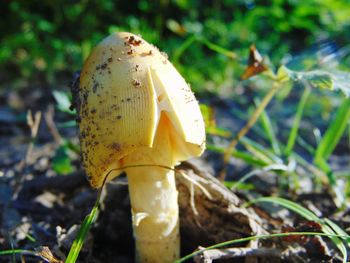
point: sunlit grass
(257, 237)
(328, 227)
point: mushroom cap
(125, 86)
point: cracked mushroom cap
(126, 84)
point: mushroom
(138, 115)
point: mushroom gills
(175, 99)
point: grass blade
(16, 251)
(307, 146)
(315, 171)
(337, 241)
(260, 151)
(82, 234)
(309, 216)
(272, 167)
(334, 132)
(267, 125)
(246, 239)
(338, 230)
(294, 131)
(182, 48)
(287, 204)
(217, 48)
(246, 157)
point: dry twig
(33, 124)
(49, 119)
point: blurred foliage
(45, 41)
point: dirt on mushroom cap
(124, 85)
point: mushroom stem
(153, 196)
(154, 214)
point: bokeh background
(43, 42)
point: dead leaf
(256, 64)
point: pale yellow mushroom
(134, 109)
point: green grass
(296, 124)
(268, 128)
(257, 237)
(272, 167)
(329, 228)
(16, 251)
(82, 234)
(334, 132)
